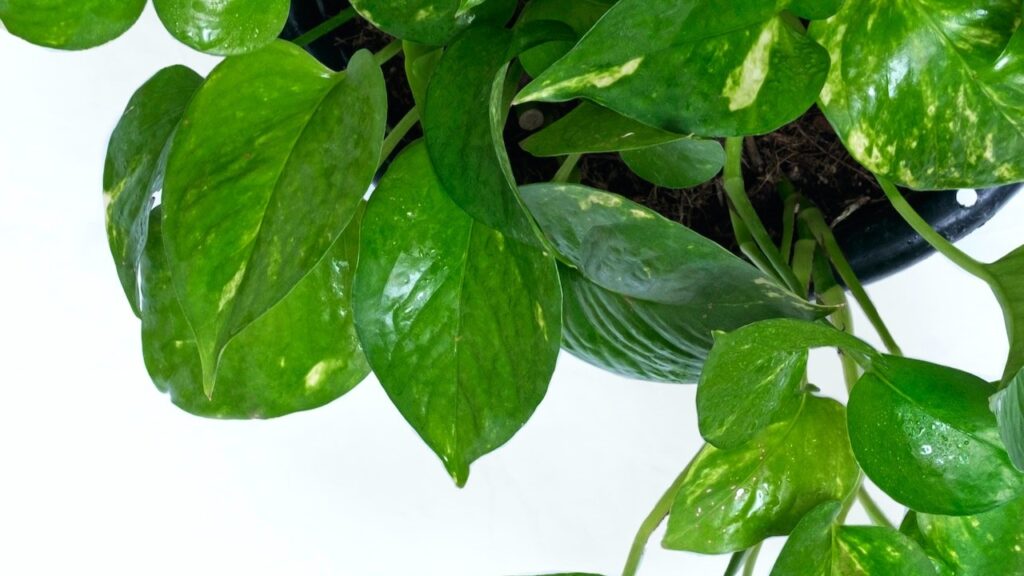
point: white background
(99, 473)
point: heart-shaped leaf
(928, 93)
(754, 376)
(224, 27)
(69, 24)
(648, 292)
(580, 15)
(460, 323)
(988, 543)
(301, 354)
(590, 128)
(730, 500)
(463, 126)
(817, 547)
(134, 170)
(269, 165)
(750, 69)
(924, 434)
(680, 164)
(433, 22)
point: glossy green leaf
(680, 164)
(433, 22)
(755, 374)
(590, 128)
(730, 500)
(136, 159)
(301, 354)
(924, 434)
(817, 547)
(224, 27)
(1006, 277)
(1008, 406)
(460, 323)
(648, 292)
(988, 543)
(420, 63)
(271, 160)
(580, 15)
(69, 24)
(463, 125)
(750, 69)
(928, 93)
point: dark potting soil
(807, 151)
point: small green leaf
(750, 69)
(269, 165)
(224, 27)
(733, 499)
(301, 354)
(754, 375)
(69, 24)
(590, 128)
(464, 121)
(580, 15)
(926, 93)
(134, 169)
(1008, 406)
(988, 543)
(680, 164)
(432, 22)
(924, 434)
(460, 323)
(817, 547)
(648, 292)
(420, 63)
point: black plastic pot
(875, 238)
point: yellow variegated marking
(318, 373)
(744, 83)
(597, 79)
(231, 288)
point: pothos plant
(266, 284)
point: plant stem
(737, 193)
(325, 28)
(651, 523)
(816, 222)
(943, 246)
(388, 52)
(736, 562)
(398, 132)
(748, 566)
(748, 246)
(565, 170)
(872, 508)
(790, 203)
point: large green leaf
(680, 164)
(988, 543)
(463, 125)
(730, 500)
(460, 323)
(301, 354)
(648, 292)
(591, 128)
(134, 170)
(271, 160)
(224, 27)
(924, 434)
(755, 374)
(433, 22)
(817, 547)
(745, 67)
(928, 92)
(580, 15)
(69, 24)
